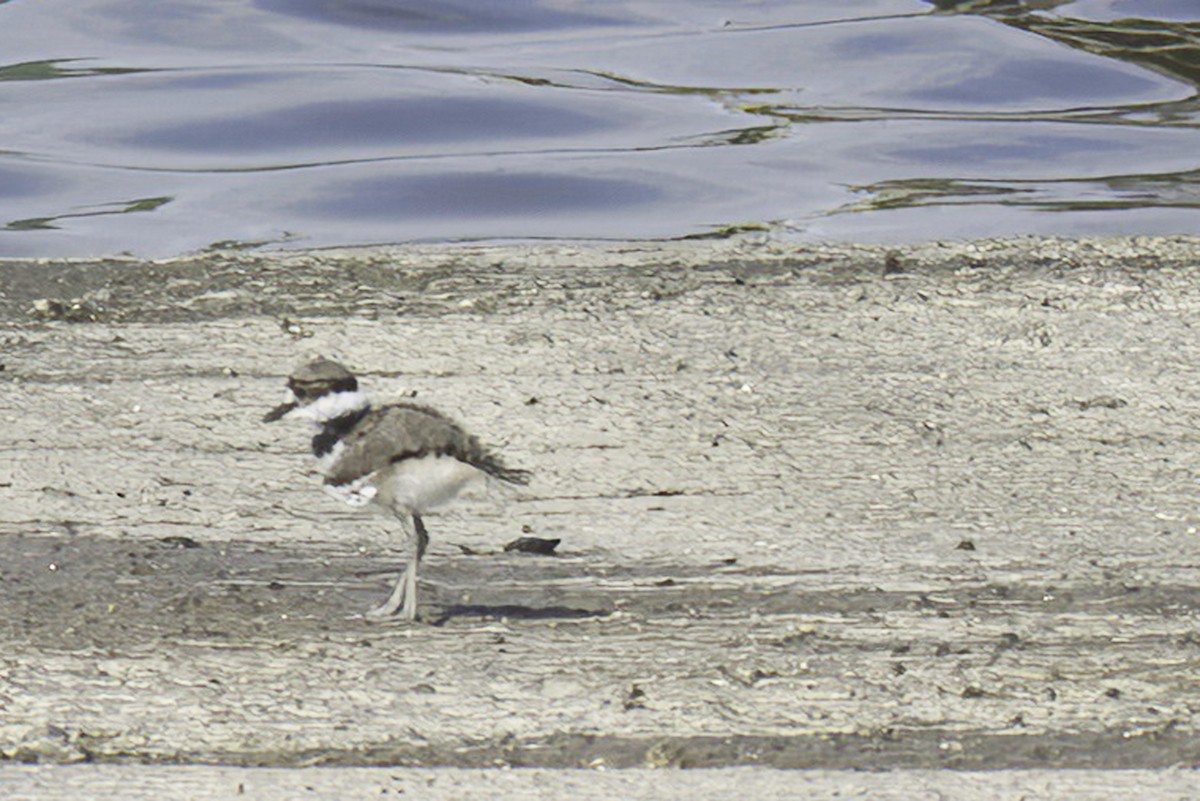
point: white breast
(411, 485)
(416, 485)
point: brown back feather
(409, 430)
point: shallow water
(172, 126)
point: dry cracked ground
(930, 510)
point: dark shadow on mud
(515, 612)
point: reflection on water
(443, 16)
(50, 223)
(19, 182)
(339, 125)
(470, 195)
(158, 128)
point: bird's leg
(422, 536)
(403, 599)
(415, 545)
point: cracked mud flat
(812, 516)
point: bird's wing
(389, 434)
(407, 430)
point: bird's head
(319, 390)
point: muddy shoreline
(826, 508)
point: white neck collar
(331, 406)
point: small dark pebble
(965, 545)
(176, 541)
(276, 585)
(973, 692)
(667, 582)
(1113, 692)
(533, 545)
(1101, 402)
(796, 639)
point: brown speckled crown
(320, 377)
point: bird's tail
(511, 475)
(494, 466)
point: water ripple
(321, 123)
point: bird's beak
(279, 411)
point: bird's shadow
(515, 612)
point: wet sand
(913, 510)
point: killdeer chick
(403, 457)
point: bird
(405, 458)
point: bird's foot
(392, 609)
(403, 599)
(381, 612)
